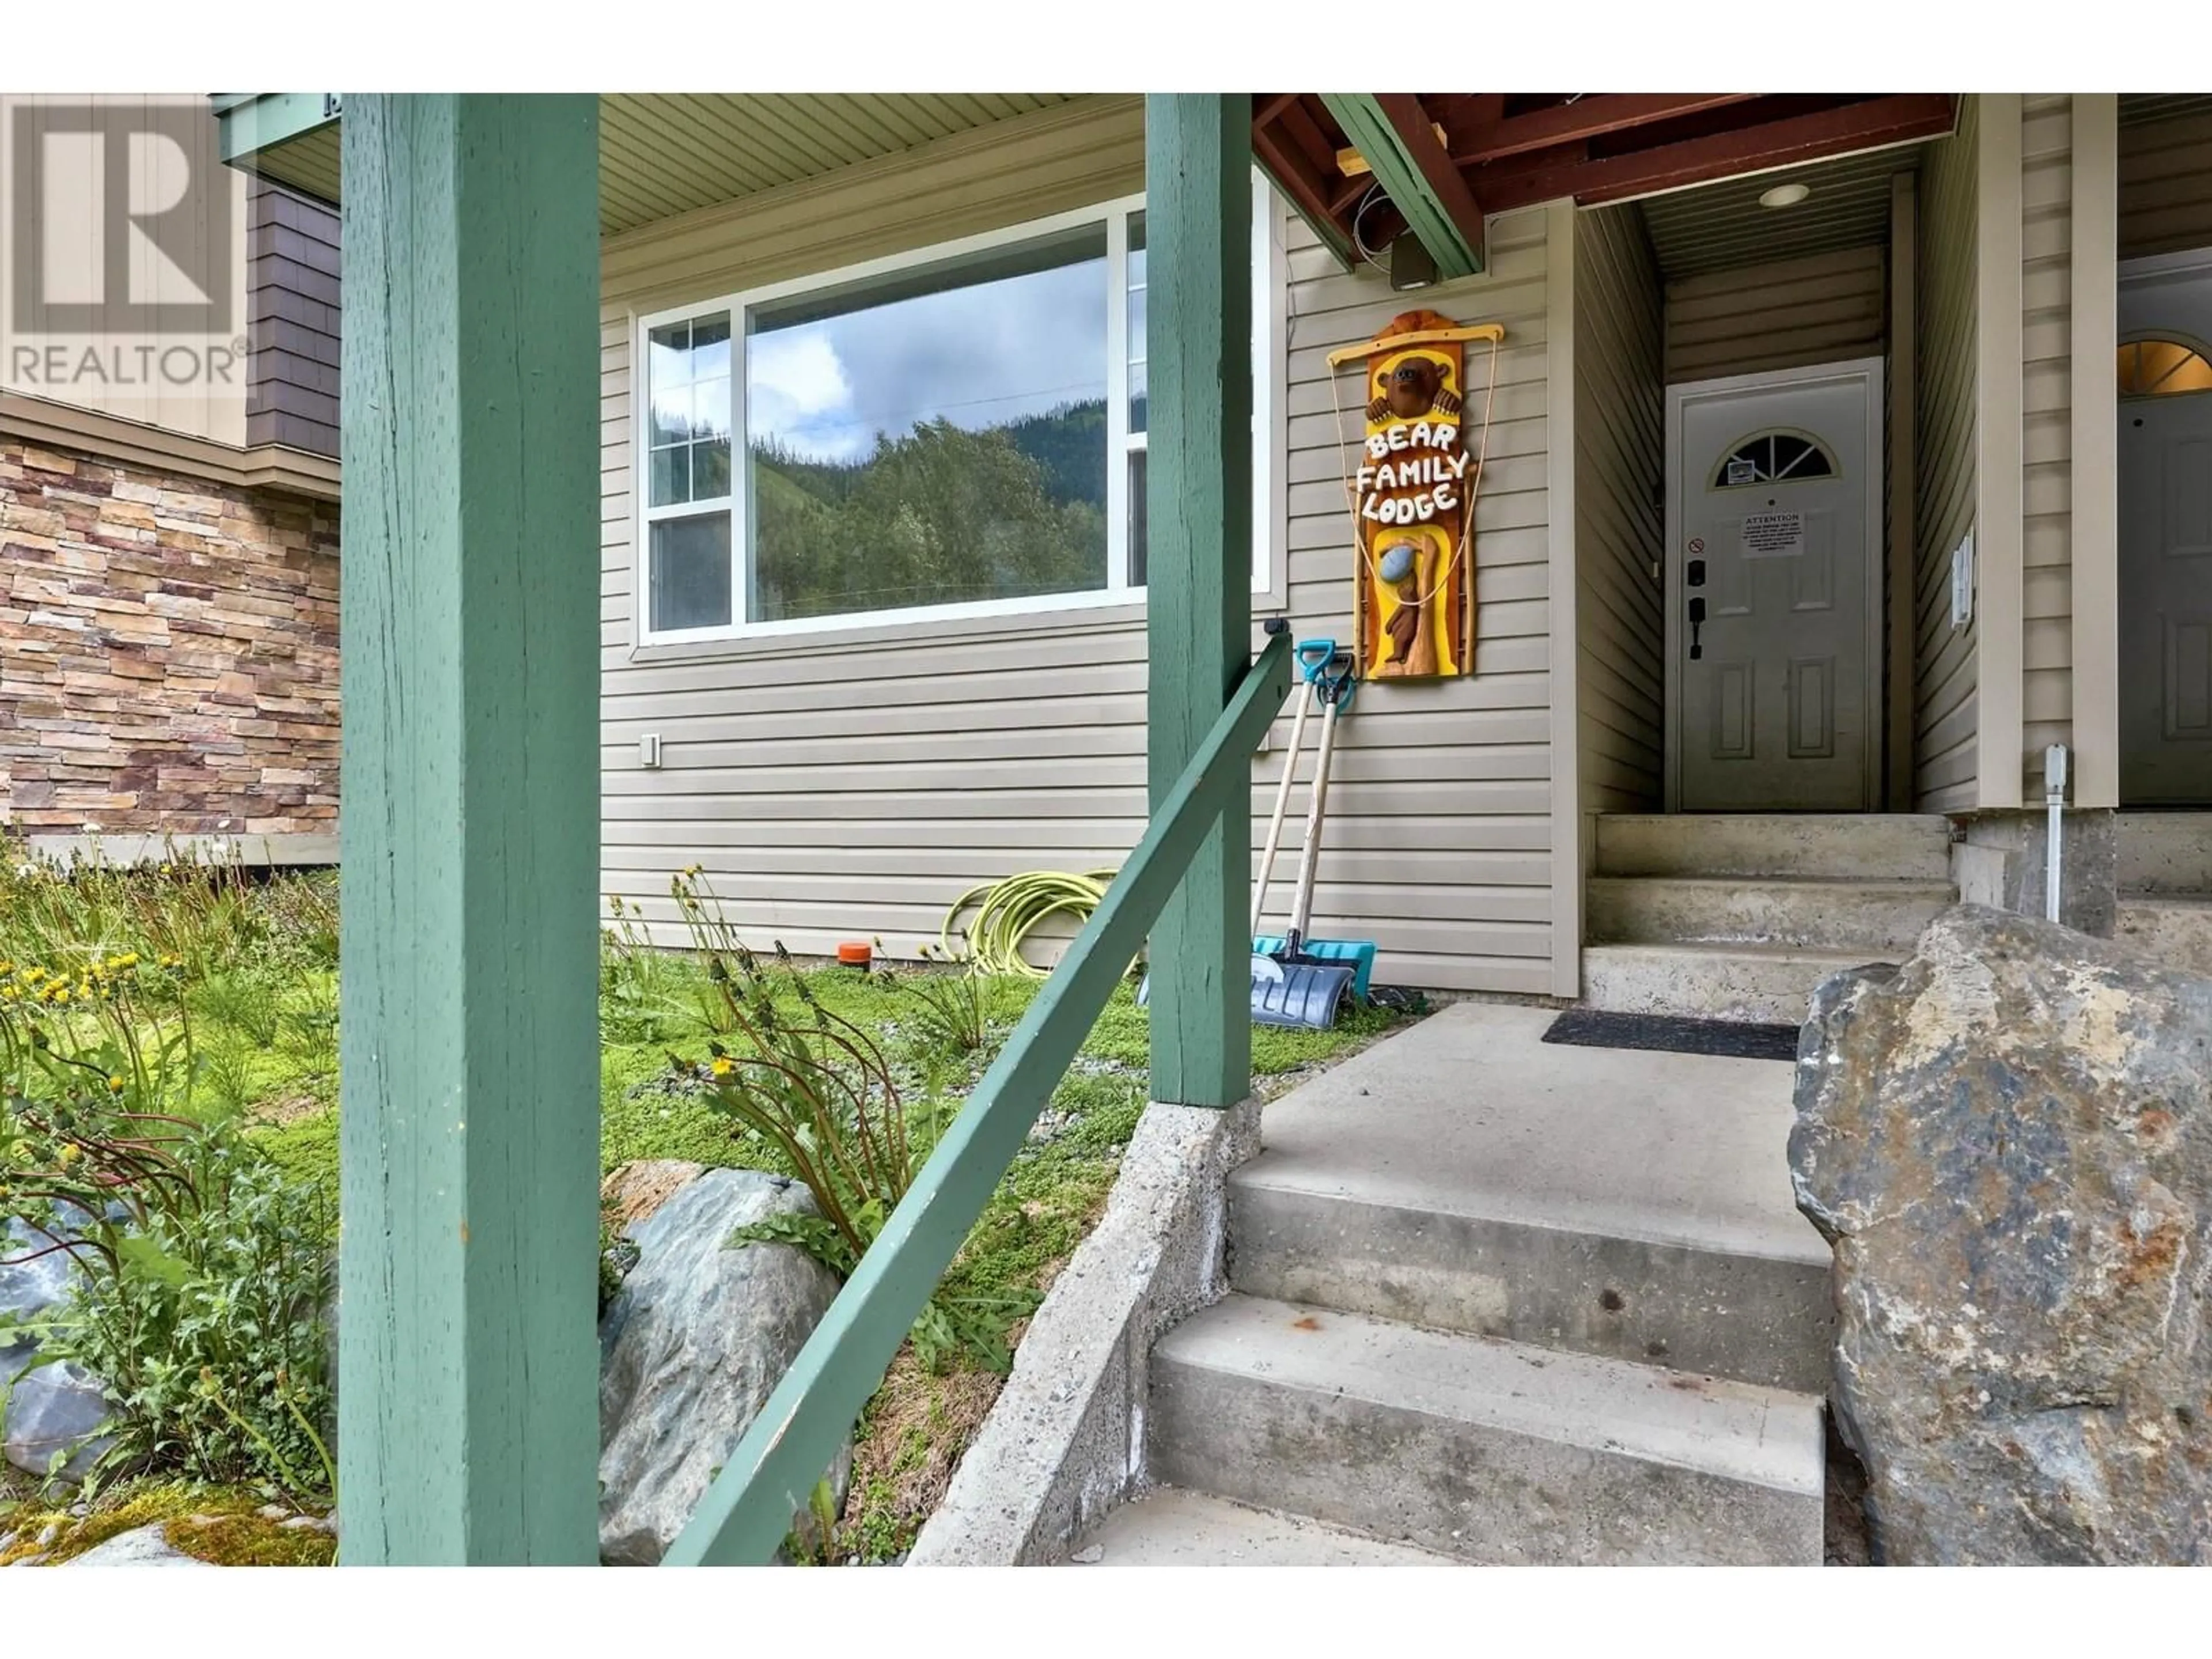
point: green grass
(261, 991)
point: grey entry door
(2165, 600)
(1774, 585)
(2166, 531)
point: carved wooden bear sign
(1411, 495)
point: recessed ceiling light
(1784, 194)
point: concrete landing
(1468, 1176)
(1171, 1527)
(1470, 1113)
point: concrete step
(1490, 1452)
(1764, 984)
(1467, 1175)
(2176, 931)
(1834, 846)
(1169, 1527)
(1829, 915)
(2165, 853)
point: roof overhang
(1364, 168)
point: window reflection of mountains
(939, 515)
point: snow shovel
(1314, 658)
(1295, 981)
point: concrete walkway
(1501, 1300)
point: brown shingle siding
(293, 315)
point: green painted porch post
(1198, 506)
(469, 1066)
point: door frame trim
(1867, 371)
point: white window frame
(1270, 328)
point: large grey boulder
(2009, 1142)
(690, 1349)
(57, 1408)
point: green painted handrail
(748, 1510)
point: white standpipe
(2054, 800)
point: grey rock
(28, 1288)
(142, 1547)
(56, 1408)
(691, 1348)
(2008, 1141)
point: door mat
(1597, 1028)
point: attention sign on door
(1773, 535)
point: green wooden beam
(747, 1510)
(1198, 517)
(1392, 132)
(468, 1055)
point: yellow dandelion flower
(115, 1086)
(69, 1153)
(724, 1066)
(61, 993)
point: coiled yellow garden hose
(1008, 910)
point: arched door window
(1777, 457)
(2161, 368)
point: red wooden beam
(1587, 118)
(1290, 164)
(1867, 124)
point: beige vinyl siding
(194, 410)
(1822, 308)
(1619, 459)
(1944, 717)
(2047, 432)
(1945, 656)
(2165, 186)
(849, 785)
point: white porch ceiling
(663, 154)
(1719, 226)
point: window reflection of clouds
(979, 355)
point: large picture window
(959, 433)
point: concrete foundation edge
(275, 852)
(1064, 1445)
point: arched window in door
(1775, 457)
(2160, 368)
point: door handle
(1697, 622)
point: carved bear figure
(1415, 387)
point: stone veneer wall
(169, 653)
